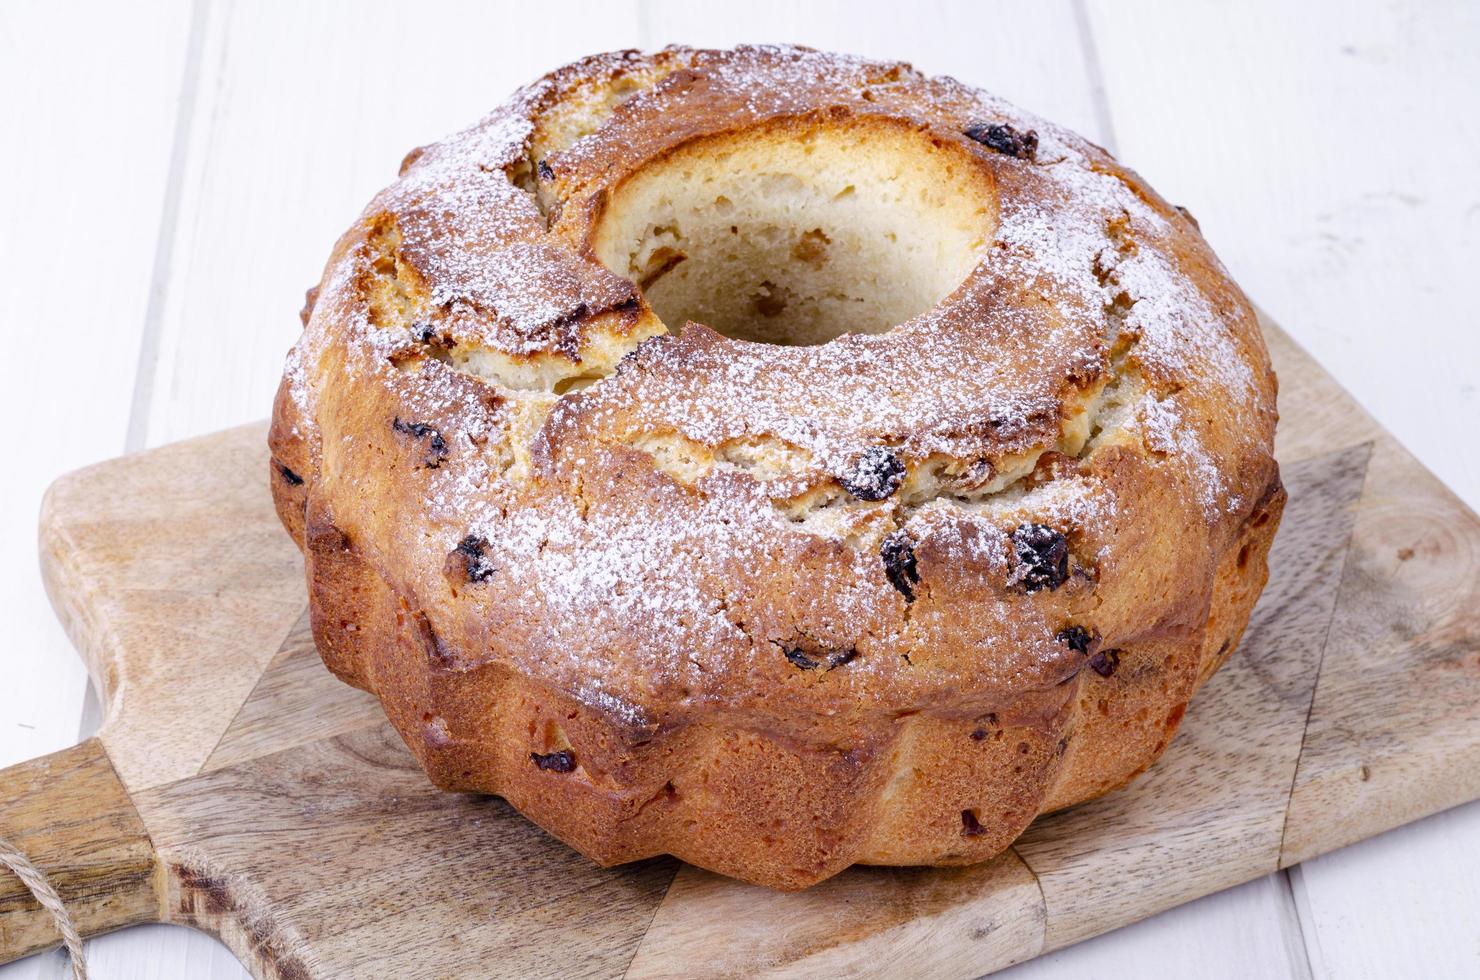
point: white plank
(1330, 152)
(1406, 904)
(86, 152)
(1248, 931)
(162, 953)
(85, 145)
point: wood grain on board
(288, 818)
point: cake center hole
(798, 234)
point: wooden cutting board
(237, 787)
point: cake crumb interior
(796, 236)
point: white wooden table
(173, 178)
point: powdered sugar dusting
(1166, 432)
(632, 588)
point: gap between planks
(164, 242)
(144, 369)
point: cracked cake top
(780, 385)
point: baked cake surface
(776, 459)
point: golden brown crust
(592, 602)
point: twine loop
(35, 879)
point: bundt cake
(776, 459)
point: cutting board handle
(72, 818)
